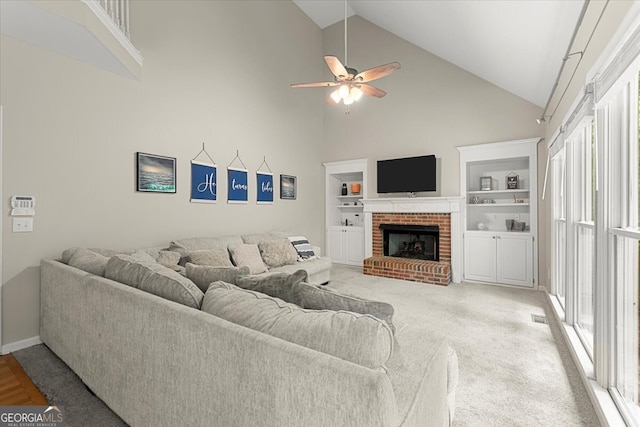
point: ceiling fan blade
(372, 91)
(318, 84)
(377, 72)
(336, 67)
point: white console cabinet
(346, 245)
(499, 257)
(344, 212)
(499, 182)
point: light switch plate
(22, 225)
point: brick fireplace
(441, 214)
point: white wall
(214, 72)
(431, 107)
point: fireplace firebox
(411, 241)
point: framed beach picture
(287, 187)
(155, 174)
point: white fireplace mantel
(451, 205)
(414, 204)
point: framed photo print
(485, 183)
(512, 181)
(155, 174)
(287, 187)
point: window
(619, 121)
(595, 214)
(559, 258)
(581, 220)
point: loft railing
(116, 10)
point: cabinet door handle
(493, 237)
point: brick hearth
(434, 272)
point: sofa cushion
(88, 261)
(255, 238)
(278, 252)
(321, 298)
(311, 266)
(248, 255)
(147, 275)
(302, 246)
(358, 338)
(204, 275)
(218, 257)
(167, 258)
(277, 285)
(197, 243)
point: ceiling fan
(351, 84)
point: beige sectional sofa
(150, 352)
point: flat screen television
(407, 175)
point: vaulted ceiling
(518, 45)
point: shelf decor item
(344, 189)
(355, 188)
(512, 181)
(485, 183)
(287, 187)
(155, 174)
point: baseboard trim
(19, 345)
(606, 409)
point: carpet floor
(513, 371)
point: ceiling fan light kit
(352, 85)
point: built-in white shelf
(519, 190)
(344, 219)
(493, 205)
(492, 253)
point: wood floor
(16, 389)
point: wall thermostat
(23, 206)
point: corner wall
(214, 72)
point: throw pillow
(322, 298)
(248, 255)
(358, 338)
(215, 257)
(277, 285)
(302, 247)
(276, 253)
(149, 276)
(167, 258)
(88, 261)
(204, 275)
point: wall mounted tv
(407, 175)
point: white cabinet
(499, 182)
(345, 187)
(346, 245)
(480, 257)
(499, 258)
